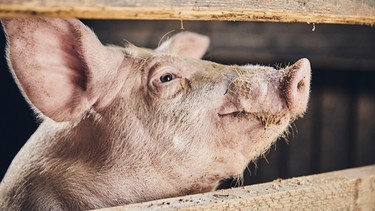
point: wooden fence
(313, 11)
(351, 189)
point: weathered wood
(351, 189)
(312, 11)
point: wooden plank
(310, 11)
(351, 189)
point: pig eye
(166, 78)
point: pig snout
(297, 87)
(265, 91)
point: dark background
(338, 130)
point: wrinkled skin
(125, 125)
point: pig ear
(60, 65)
(186, 44)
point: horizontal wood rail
(307, 11)
(350, 189)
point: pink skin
(125, 125)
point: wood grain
(351, 189)
(308, 11)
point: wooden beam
(351, 189)
(307, 11)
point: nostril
(298, 86)
(301, 86)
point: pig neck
(129, 158)
(157, 167)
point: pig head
(129, 124)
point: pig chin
(250, 135)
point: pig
(127, 124)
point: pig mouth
(265, 119)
